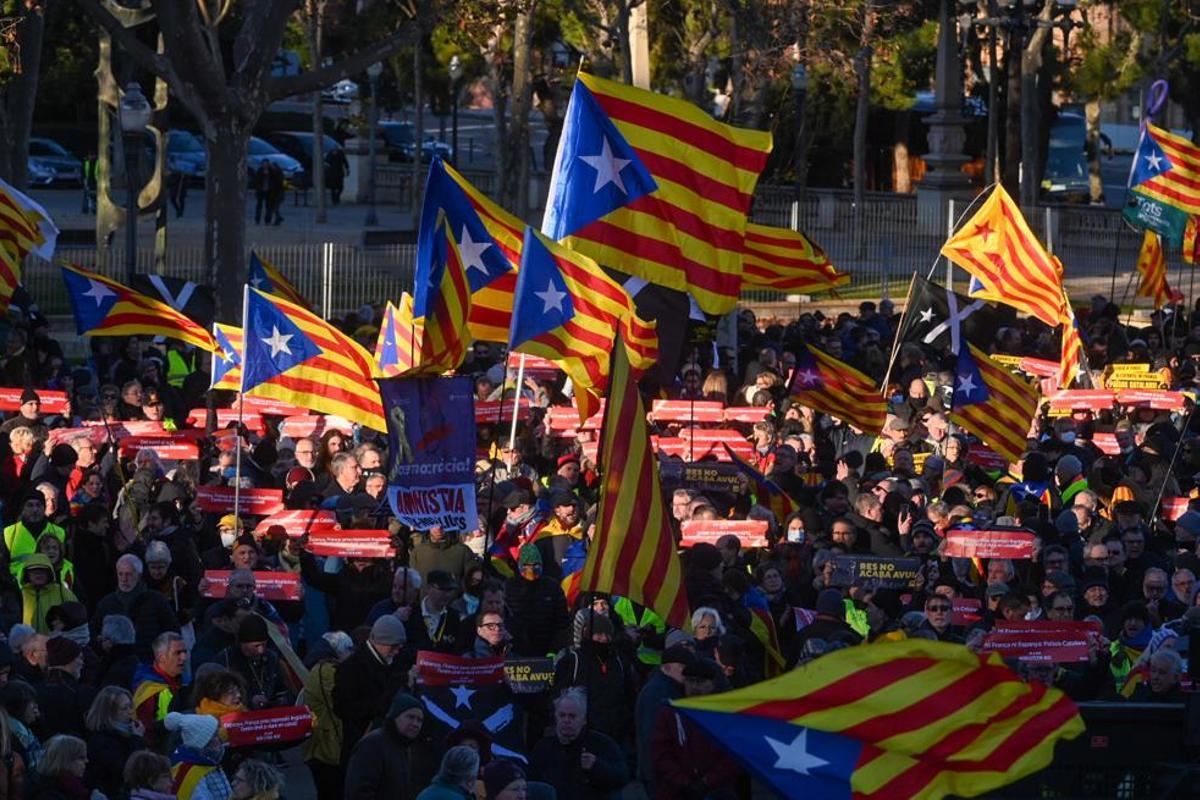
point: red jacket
(685, 759)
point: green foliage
(904, 65)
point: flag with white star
(833, 387)
(488, 239)
(227, 358)
(933, 311)
(914, 718)
(567, 310)
(103, 307)
(992, 403)
(263, 276)
(969, 386)
(595, 169)
(292, 355)
(1166, 168)
(440, 307)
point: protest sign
(271, 585)
(351, 544)
(529, 675)
(537, 367)
(1157, 399)
(1135, 376)
(228, 416)
(1068, 400)
(1173, 508)
(689, 411)
(991, 543)
(267, 726)
(299, 426)
(442, 669)
(965, 611)
(1041, 640)
(981, 456)
(171, 446)
(297, 522)
(268, 406)
(53, 401)
(750, 532)
(707, 476)
(431, 445)
(881, 572)
(745, 415)
(1048, 625)
(488, 412)
(252, 502)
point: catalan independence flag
(291, 354)
(441, 305)
(104, 307)
(489, 241)
(1152, 266)
(688, 233)
(567, 310)
(633, 551)
(833, 387)
(25, 227)
(1071, 364)
(1166, 167)
(766, 491)
(264, 277)
(762, 625)
(992, 403)
(910, 719)
(227, 358)
(997, 247)
(399, 338)
(787, 261)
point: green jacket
(21, 543)
(36, 602)
(624, 609)
(325, 744)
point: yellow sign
(1135, 376)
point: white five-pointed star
(551, 298)
(809, 377)
(278, 342)
(472, 251)
(608, 168)
(257, 281)
(966, 384)
(795, 756)
(462, 696)
(98, 291)
(927, 315)
(1155, 162)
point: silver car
(261, 150)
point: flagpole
(237, 433)
(967, 210)
(896, 343)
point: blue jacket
(654, 696)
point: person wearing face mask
(606, 676)
(196, 763)
(539, 608)
(229, 528)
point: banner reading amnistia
(431, 434)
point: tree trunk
(516, 178)
(225, 221)
(316, 24)
(1012, 117)
(418, 129)
(16, 119)
(862, 65)
(1095, 182)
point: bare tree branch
(249, 49)
(353, 64)
(182, 29)
(145, 56)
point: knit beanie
(403, 701)
(196, 730)
(497, 776)
(61, 651)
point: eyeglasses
(492, 626)
(937, 609)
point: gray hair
(459, 765)
(133, 561)
(1169, 657)
(340, 641)
(576, 695)
(340, 461)
(118, 629)
(162, 643)
(414, 577)
(261, 776)
(708, 611)
(157, 551)
(19, 636)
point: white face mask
(795, 536)
(228, 538)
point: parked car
(299, 145)
(262, 150)
(186, 154)
(37, 173)
(398, 139)
(1065, 177)
(63, 166)
(344, 91)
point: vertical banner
(431, 438)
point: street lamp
(800, 94)
(134, 115)
(373, 73)
(456, 72)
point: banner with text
(881, 572)
(991, 543)
(750, 532)
(431, 439)
(267, 726)
(269, 585)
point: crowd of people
(119, 669)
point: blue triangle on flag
(969, 386)
(541, 300)
(596, 171)
(273, 343)
(482, 257)
(225, 357)
(91, 300)
(1149, 161)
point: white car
(344, 91)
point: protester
(575, 760)
(60, 770)
(383, 763)
(114, 734)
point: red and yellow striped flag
(1071, 363)
(441, 305)
(1167, 169)
(1191, 240)
(266, 278)
(909, 719)
(992, 403)
(25, 227)
(227, 358)
(1152, 266)
(997, 247)
(688, 234)
(786, 261)
(833, 387)
(399, 344)
(633, 552)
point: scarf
(81, 636)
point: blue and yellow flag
(264, 277)
(441, 305)
(227, 358)
(992, 403)
(766, 491)
(399, 339)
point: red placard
(251, 502)
(269, 406)
(133, 427)
(1060, 647)
(1048, 626)
(981, 456)
(442, 669)
(560, 418)
(965, 611)
(535, 366)
(727, 435)
(173, 446)
(488, 411)
(750, 532)
(1173, 508)
(226, 417)
(989, 544)
(271, 585)
(1041, 367)
(53, 401)
(1083, 399)
(1157, 399)
(94, 432)
(1108, 443)
(747, 415)
(301, 425)
(351, 544)
(297, 522)
(283, 724)
(707, 411)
